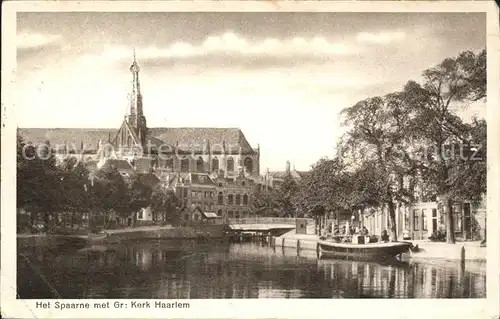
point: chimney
(288, 166)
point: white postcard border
(256, 308)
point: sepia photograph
(168, 156)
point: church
(162, 150)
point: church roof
(190, 138)
(73, 136)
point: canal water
(189, 269)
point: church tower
(136, 118)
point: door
(434, 220)
(467, 221)
(423, 220)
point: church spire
(135, 97)
(136, 116)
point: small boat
(326, 248)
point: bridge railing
(267, 220)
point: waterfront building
(235, 194)
(426, 215)
(193, 190)
(274, 179)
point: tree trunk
(392, 220)
(33, 217)
(450, 229)
(46, 221)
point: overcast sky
(281, 77)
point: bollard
(298, 245)
(462, 254)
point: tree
(323, 189)
(285, 195)
(378, 137)
(110, 192)
(265, 201)
(435, 124)
(164, 201)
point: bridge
(267, 225)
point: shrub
(439, 236)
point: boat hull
(327, 249)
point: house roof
(295, 174)
(200, 179)
(148, 179)
(119, 164)
(210, 215)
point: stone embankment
(461, 251)
(119, 235)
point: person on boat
(385, 237)
(364, 231)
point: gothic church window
(230, 164)
(245, 199)
(200, 165)
(238, 199)
(185, 165)
(230, 199)
(215, 164)
(169, 164)
(248, 164)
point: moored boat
(328, 248)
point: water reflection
(175, 269)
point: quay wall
(427, 250)
(66, 241)
(49, 241)
(193, 232)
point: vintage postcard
(250, 159)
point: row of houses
(426, 216)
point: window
(242, 183)
(230, 164)
(407, 219)
(219, 212)
(206, 194)
(169, 164)
(245, 199)
(185, 165)
(424, 219)
(230, 214)
(416, 219)
(230, 199)
(139, 214)
(186, 217)
(215, 164)
(196, 216)
(248, 164)
(238, 199)
(220, 199)
(457, 217)
(220, 185)
(200, 165)
(237, 215)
